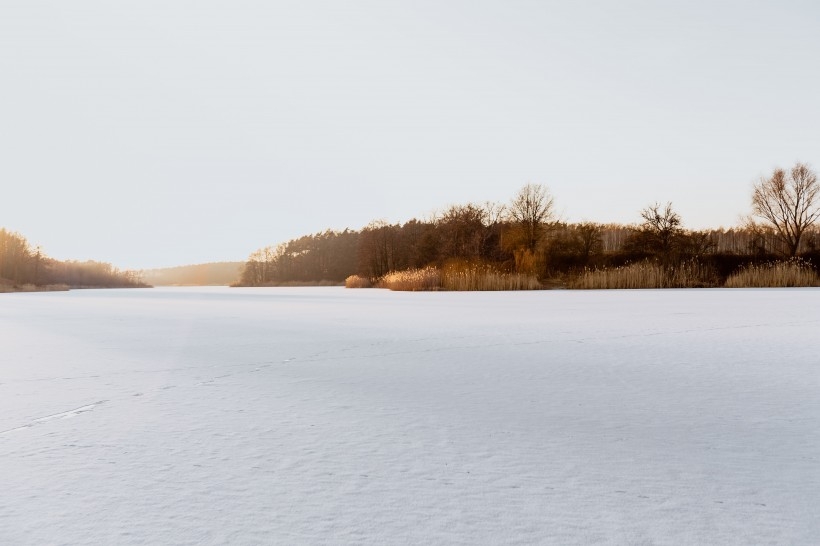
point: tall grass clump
(647, 275)
(428, 278)
(483, 278)
(460, 278)
(356, 281)
(790, 273)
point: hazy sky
(154, 133)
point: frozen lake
(325, 415)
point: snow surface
(332, 416)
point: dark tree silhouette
(789, 202)
(659, 234)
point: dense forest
(524, 236)
(25, 268)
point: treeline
(209, 274)
(24, 267)
(329, 257)
(522, 237)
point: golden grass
(428, 278)
(457, 279)
(479, 278)
(355, 281)
(646, 275)
(774, 275)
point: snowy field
(333, 416)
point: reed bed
(647, 275)
(412, 280)
(356, 281)
(477, 278)
(790, 273)
(460, 279)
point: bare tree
(790, 202)
(259, 269)
(660, 232)
(462, 230)
(494, 212)
(697, 243)
(531, 209)
(664, 223)
(588, 235)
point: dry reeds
(356, 281)
(482, 278)
(428, 278)
(462, 278)
(791, 273)
(647, 275)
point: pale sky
(159, 133)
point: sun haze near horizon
(156, 134)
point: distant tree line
(526, 236)
(327, 256)
(207, 274)
(20, 265)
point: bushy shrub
(355, 281)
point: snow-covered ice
(332, 416)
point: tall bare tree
(531, 209)
(790, 202)
(660, 234)
(663, 224)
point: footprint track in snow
(62, 415)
